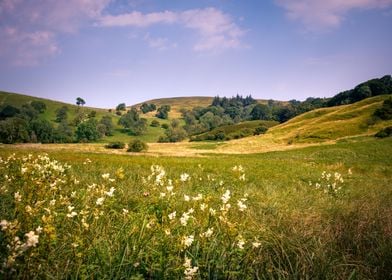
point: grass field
(114, 216)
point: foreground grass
(288, 230)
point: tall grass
(271, 216)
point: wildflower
(242, 177)
(73, 194)
(241, 205)
(169, 188)
(72, 214)
(189, 271)
(162, 195)
(172, 215)
(70, 208)
(226, 196)
(125, 211)
(32, 239)
(350, 172)
(167, 231)
(110, 192)
(203, 206)
(28, 209)
(256, 244)
(241, 242)
(184, 219)
(212, 211)
(17, 197)
(188, 240)
(198, 197)
(52, 202)
(106, 176)
(100, 201)
(186, 197)
(74, 244)
(208, 233)
(184, 177)
(23, 170)
(4, 224)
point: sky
(129, 51)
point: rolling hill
(325, 125)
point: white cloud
(28, 28)
(316, 14)
(216, 29)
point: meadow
(319, 212)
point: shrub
(260, 130)
(386, 132)
(137, 146)
(115, 145)
(155, 123)
(165, 126)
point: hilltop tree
(80, 101)
(145, 107)
(261, 112)
(121, 107)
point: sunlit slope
(178, 103)
(317, 126)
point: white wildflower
(203, 206)
(226, 196)
(100, 201)
(184, 219)
(241, 205)
(184, 177)
(17, 197)
(242, 177)
(72, 214)
(241, 242)
(110, 192)
(256, 244)
(172, 215)
(212, 211)
(32, 239)
(186, 197)
(188, 240)
(125, 211)
(208, 233)
(189, 271)
(106, 176)
(4, 224)
(162, 195)
(198, 197)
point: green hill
(318, 126)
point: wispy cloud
(216, 29)
(321, 14)
(28, 28)
(159, 43)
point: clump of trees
(25, 124)
(175, 133)
(364, 90)
(148, 107)
(163, 112)
(132, 122)
(385, 112)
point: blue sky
(114, 51)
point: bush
(165, 126)
(115, 145)
(260, 130)
(137, 146)
(155, 123)
(386, 132)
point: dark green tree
(108, 124)
(121, 107)
(39, 106)
(62, 114)
(87, 131)
(163, 112)
(80, 101)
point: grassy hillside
(318, 126)
(18, 100)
